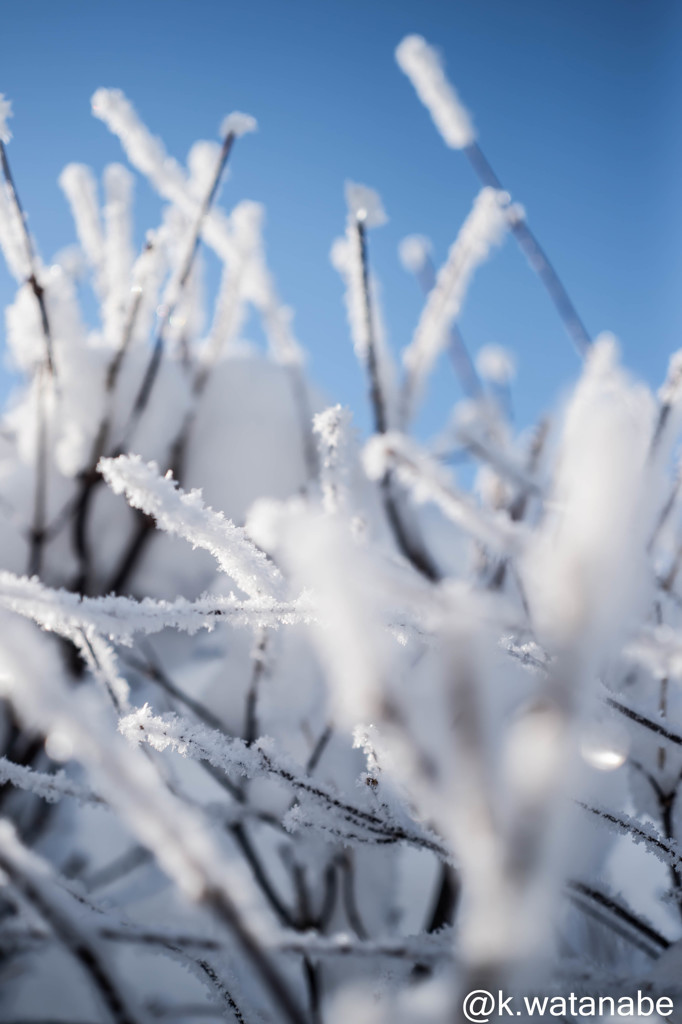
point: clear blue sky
(577, 103)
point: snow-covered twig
(186, 516)
(482, 230)
(428, 482)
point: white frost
(79, 186)
(495, 364)
(238, 124)
(482, 230)
(414, 252)
(5, 114)
(186, 516)
(366, 325)
(584, 569)
(424, 68)
(365, 205)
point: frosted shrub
(293, 727)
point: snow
(238, 124)
(78, 184)
(332, 427)
(363, 303)
(5, 114)
(483, 229)
(495, 364)
(414, 251)
(12, 240)
(186, 516)
(423, 66)
(365, 205)
(430, 482)
(582, 572)
(271, 676)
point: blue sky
(577, 103)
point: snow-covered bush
(379, 742)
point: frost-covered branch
(31, 878)
(186, 516)
(49, 787)
(121, 618)
(484, 228)
(422, 65)
(396, 780)
(259, 760)
(429, 482)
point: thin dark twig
(250, 715)
(90, 480)
(666, 799)
(145, 389)
(267, 888)
(210, 972)
(144, 533)
(118, 868)
(154, 671)
(318, 750)
(602, 916)
(447, 898)
(312, 973)
(74, 940)
(642, 720)
(463, 364)
(415, 552)
(665, 846)
(329, 898)
(223, 908)
(77, 506)
(131, 556)
(37, 531)
(349, 901)
(621, 912)
(32, 279)
(377, 398)
(536, 256)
